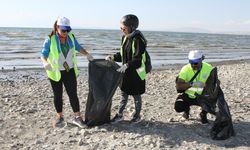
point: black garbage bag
(212, 100)
(103, 82)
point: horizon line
(149, 30)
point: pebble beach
(27, 113)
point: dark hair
(131, 21)
(54, 29)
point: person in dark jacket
(132, 55)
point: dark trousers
(183, 103)
(124, 101)
(68, 79)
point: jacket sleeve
(46, 48)
(118, 57)
(77, 45)
(139, 50)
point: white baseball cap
(195, 56)
(63, 23)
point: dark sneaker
(186, 115)
(203, 118)
(135, 120)
(117, 118)
(59, 122)
(79, 122)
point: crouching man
(191, 81)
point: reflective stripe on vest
(55, 56)
(202, 77)
(141, 70)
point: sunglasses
(194, 63)
(63, 31)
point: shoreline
(158, 67)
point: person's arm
(182, 85)
(83, 51)
(44, 59)
(79, 48)
(45, 51)
(45, 54)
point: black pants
(68, 79)
(183, 103)
(124, 101)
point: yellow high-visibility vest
(141, 70)
(187, 73)
(54, 56)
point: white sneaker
(79, 122)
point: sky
(229, 16)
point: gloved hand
(90, 57)
(197, 84)
(109, 58)
(123, 68)
(47, 66)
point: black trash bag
(212, 100)
(103, 82)
(223, 127)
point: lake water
(21, 47)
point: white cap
(195, 56)
(63, 23)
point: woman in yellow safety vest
(133, 47)
(59, 60)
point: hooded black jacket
(131, 82)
